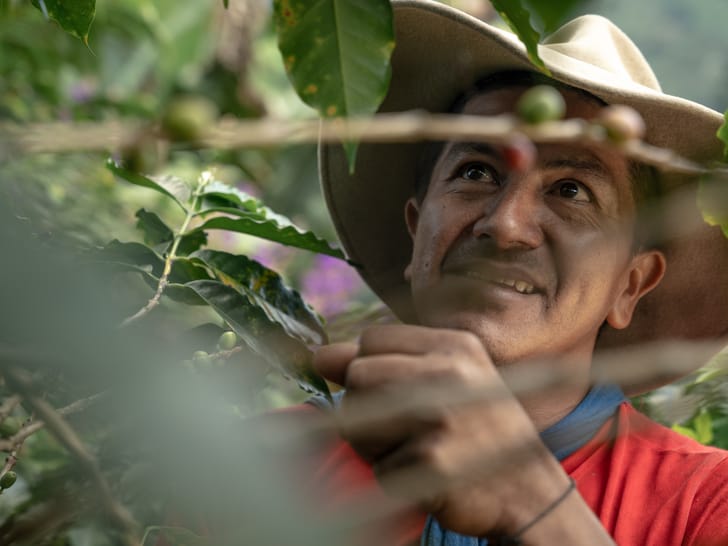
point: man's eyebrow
(463, 148)
(591, 165)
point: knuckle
(357, 374)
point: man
(497, 269)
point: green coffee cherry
(202, 360)
(227, 341)
(10, 426)
(541, 103)
(8, 479)
(187, 118)
(622, 123)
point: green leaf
(174, 536)
(703, 426)
(722, 134)
(281, 303)
(156, 232)
(336, 54)
(170, 186)
(713, 201)
(159, 235)
(225, 3)
(254, 218)
(219, 193)
(267, 338)
(273, 231)
(74, 16)
(553, 13)
(141, 259)
(518, 19)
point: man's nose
(512, 218)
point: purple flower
(330, 285)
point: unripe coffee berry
(541, 103)
(622, 123)
(10, 427)
(8, 479)
(227, 341)
(187, 118)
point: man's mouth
(520, 286)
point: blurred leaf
(74, 16)
(518, 19)
(265, 337)
(166, 185)
(722, 134)
(552, 13)
(336, 53)
(225, 3)
(174, 536)
(288, 235)
(685, 431)
(703, 426)
(281, 303)
(713, 201)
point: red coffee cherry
(519, 153)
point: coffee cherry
(202, 360)
(10, 427)
(519, 153)
(622, 123)
(227, 341)
(541, 103)
(8, 479)
(187, 118)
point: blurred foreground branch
(64, 137)
(119, 516)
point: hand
(428, 409)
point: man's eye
(476, 172)
(570, 189)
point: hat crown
(594, 46)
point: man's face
(531, 262)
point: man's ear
(411, 217)
(645, 273)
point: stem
(205, 178)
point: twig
(63, 137)
(15, 441)
(8, 405)
(70, 440)
(205, 178)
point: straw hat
(440, 53)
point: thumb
(332, 361)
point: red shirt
(648, 485)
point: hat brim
(441, 52)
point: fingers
(418, 340)
(332, 361)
